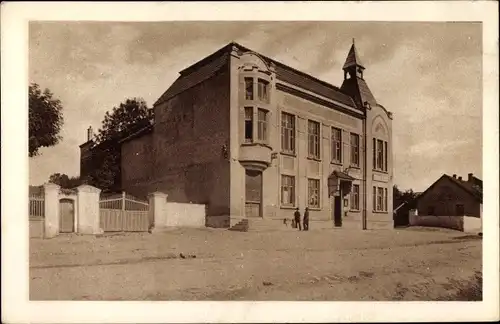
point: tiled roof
(352, 58)
(358, 85)
(365, 92)
(476, 191)
(140, 132)
(189, 80)
(310, 83)
(341, 175)
(208, 66)
(467, 186)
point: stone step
(260, 224)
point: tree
(400, 197)
(128, 117)
(124, 120)
(64, 181)
(45, 119)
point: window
(248, 88)
(288, 133)
(248, 124)
(355, 197)
(262, 125)
(263, 90)
(379, 155)
(313, 133)
(354, 149)
(386, 156)
(287, 190)
(460, 210)
(385, 199)
(374, 150)
(374, 198)
(336, 145)
(380, 199)
(313, 193)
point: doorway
(66, 216)
(337, 211)
(253, 193)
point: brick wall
(185, 153)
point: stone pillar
(88, 210)
(157, 211)
(51, 209)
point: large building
(253, 138)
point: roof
(476, 191)
(466, 186)
(341, 175)
(365, 92)
(207, 67)
(358, 85)
(188, 80)
(140, 132)
(352, 58)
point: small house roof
(468, 187)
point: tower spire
(353, 58)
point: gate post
(51, 192)
(157, 210)
(88, 210)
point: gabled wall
(187, 158)
(443, 196)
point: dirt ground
(214, 264)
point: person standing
(306, 219)
(297, 219)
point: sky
(428, 74)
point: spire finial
(353, 41)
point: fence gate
(124, 213)
(66, 216)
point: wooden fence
(123, 213)
(36, 206)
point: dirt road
(348, 265)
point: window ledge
(336, 163)
(314, 208)
(313, 159)
(288, 154)
(379, 212)
(354, 210)
(256, 144)
(287, 207)
(380, 171)
(354, 167)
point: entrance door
(253, 193)
(66, 216)
(337, 211)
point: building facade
(452, 196)
(253, 138)
(451, 202)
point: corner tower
(377, 143)
(354, 82)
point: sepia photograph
(284, 160)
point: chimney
(90, 133)
(454, 176)
(469, 177)
(459, 178)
